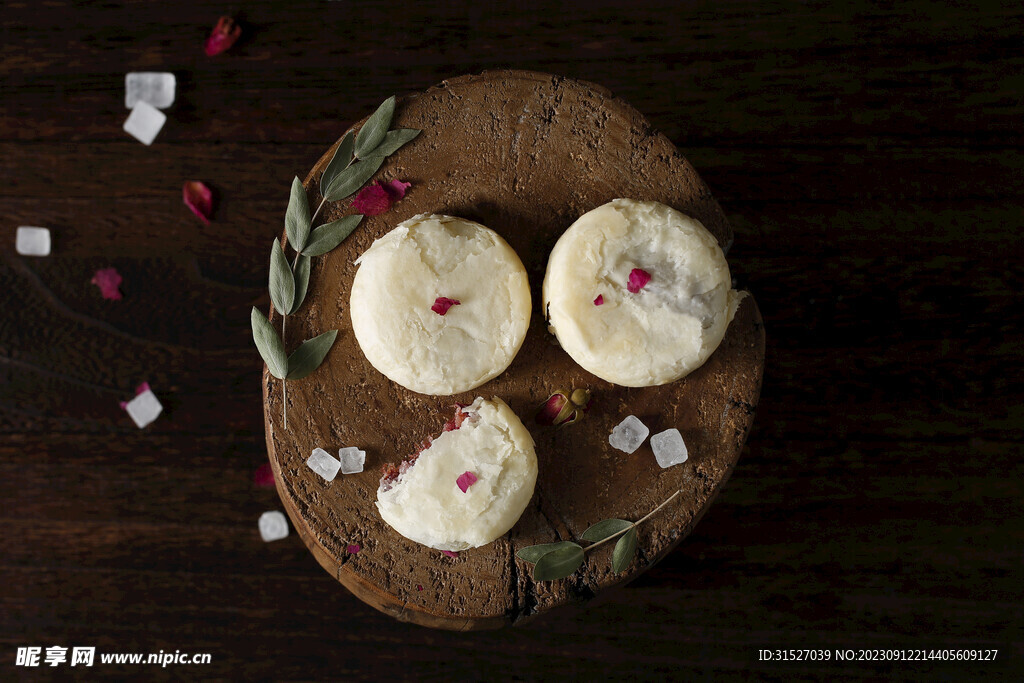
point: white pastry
(395, 319)
(424, 502)
(666, 328)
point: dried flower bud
(564, 408)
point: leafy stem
(558, 560)
(356, 159)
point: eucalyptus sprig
(558, 560)
(356, 159)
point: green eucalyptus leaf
(353, 177)
(394, 140)
(604, 529)
(310, 355)
(373, 131)
(559, 563)
(339, 162)
(532, 553)
(269, 344)
(296, 218)
(625, 549)
(300, 269)
(330, 235)
(282, 282)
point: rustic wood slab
(525, 154)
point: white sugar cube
(144, 122)
(352, 460)
(323, 464)
(31, 241)
(152, 87)
(144, 408)
(629, 434)
(273, 526)
(669, 448)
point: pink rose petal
(599, 300)
(199, 199)
(142, 388)
(551, 409)
(449, 553)
(465, 480)
(109, 282)
(638, 279)
(223, 36)
(396, 189)
(263, 476)
(419, 587)
(442, 304)
(353, 549)
(124, 405)
(372, 200)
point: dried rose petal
(372, 200)
(599, 300)
(442, 304)
(199, 199)
(396, 189)
(353, 549)
(552, 409)
(263, 476)
(223, 36)
(109, 282)
(419, 587)
(142, 388)
(456, 422)
(449, 553)
(465, 480)
(638, 279)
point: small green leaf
(532, 553)
(604, 529)
(269, 344)
(373, 131)
(339, 162)
(558, 564)
(282, 282)
(310, 355)
(296, 218)
(353, 177)
(625, 549)
(394, 140)
(301, 271)
(330, 235)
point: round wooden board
(525, 154)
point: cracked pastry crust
(656, 335)
(422, 501)
(399, 278)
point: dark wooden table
(870, 162)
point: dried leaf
(604, 529)
(310, 355)
(300, 269)
(376, 127)
(330, 235)
(269, 344)
(558, 563)
(625, 549)
(296, 218)
(532, 553)
(339, 162)
(282, 282)
(353, 177)
(394, 140)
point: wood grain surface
(868, 158)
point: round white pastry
(642, 333)
(426, 504)
(404, 273)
